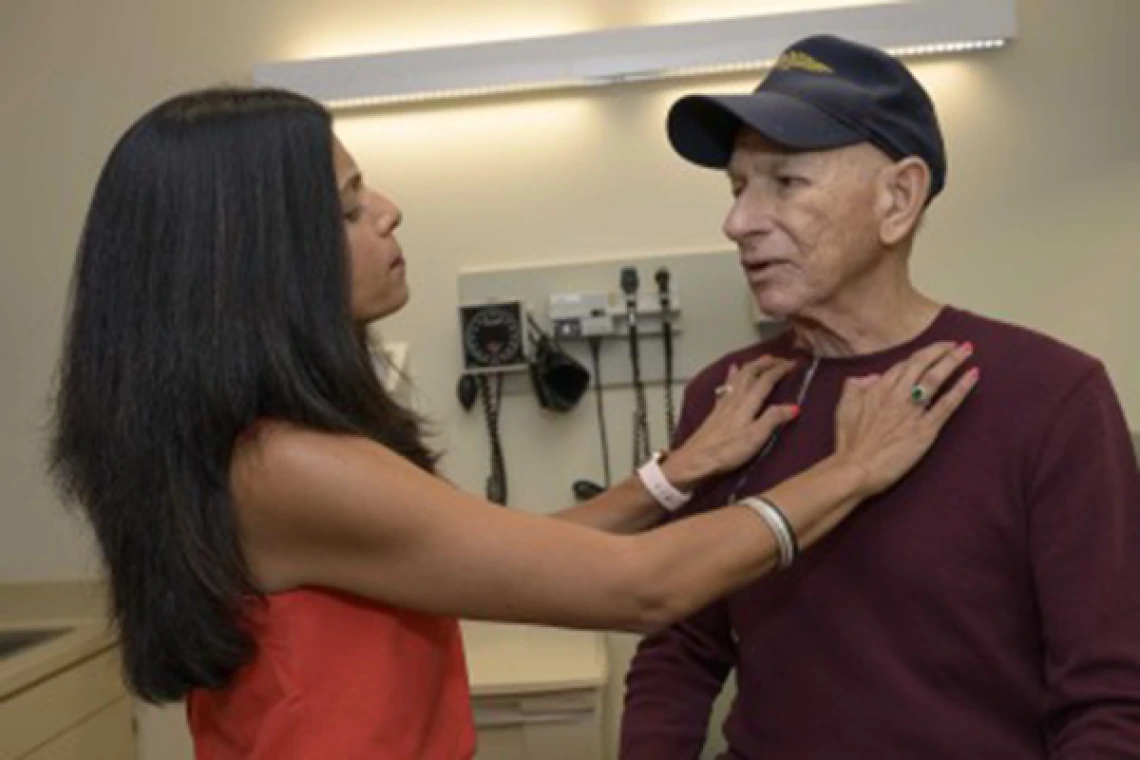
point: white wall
(1039, 224)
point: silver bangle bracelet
(786, 544)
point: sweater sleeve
(678, 672)
(1084, 538)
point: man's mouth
(762, 266)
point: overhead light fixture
(634, 54)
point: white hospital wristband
(659, 487)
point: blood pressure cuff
(559, 379)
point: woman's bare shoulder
(278, 463)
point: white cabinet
(536, 692)
(106, 734)
(80, 712)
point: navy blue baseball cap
(824, 92)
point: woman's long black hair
(211, 289)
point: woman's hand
(885, 423)
(732, 433)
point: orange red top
(337, 676)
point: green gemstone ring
(920, 396)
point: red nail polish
(968, 347)
(795, 411)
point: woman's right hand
(883, 430)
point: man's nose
(751, 214)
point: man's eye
(352, 214)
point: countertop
(501, 658)
(522, 659)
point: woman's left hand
(733, 433)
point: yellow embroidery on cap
(796, 59)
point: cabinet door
(578, 739)
(558, 726)
(502, 743)
(32, 717)
(106, 735)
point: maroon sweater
(988, 606)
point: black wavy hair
(211, 289)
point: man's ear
(903, 188)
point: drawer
(559, 707)
(108, 734)
(553, 726)
(35, 715)
(564, 740)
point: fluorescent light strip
(634, 54)
(944, 48)
(441, 95)
(724, 68)
(913, 51)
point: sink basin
(14, 642)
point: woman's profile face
(378, 271)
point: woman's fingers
(752, 398)
(748, 386)
(732, 432)
(773, 417)
(929, 383)
(945, 407)
(853, 385)
(747, 374)
(906, 374)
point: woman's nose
(387, 214)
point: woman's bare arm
(346, 513)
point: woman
(279, 548)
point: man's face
(805, 223)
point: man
(989, 605)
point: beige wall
(1040, 224)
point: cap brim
(703, 128)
